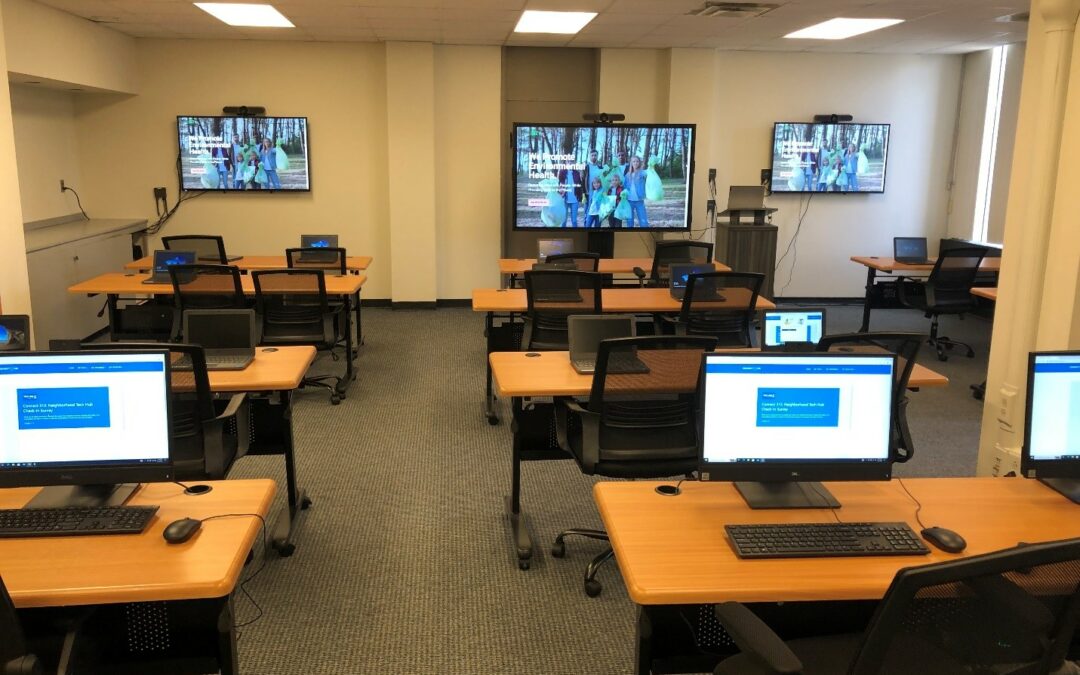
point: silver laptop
(586, 332)
(910, 250)
(163, 260)
(546, 247)
(792, 330)
(679, 276)
(318, 241)
(746, 198)
(228, 337)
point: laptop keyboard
(617, 363)
(184, 362)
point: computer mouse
(179, 531)
(944, 539)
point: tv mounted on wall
(237, 154)
(837, 158)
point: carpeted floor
(404, 563)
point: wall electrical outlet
(62, 186)
(159, 193)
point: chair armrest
(214, 435)
(905, 287)
(563, 408)
(756, 639)
(590, 431)
(26, 664)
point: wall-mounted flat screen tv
(843, 158)
(235, 154)
(603, 177)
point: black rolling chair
(946, 291)
(205, 287)
(553, 296)
(209, 248)
(642, 425)
(295, 311)
(718, 304)
(1013, 611)
(906, 346)
(673, 253)
(585, 262)
(14, 332)
(330, 260)
(15, 657)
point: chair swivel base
(943, 345)
(558, 550)
(337, 391)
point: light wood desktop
(614, 300)
(990, 293)
(120, 283)
(106, 569)
(606, 265)
(673, 550)
(248, 263)
(273, 369)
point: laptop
(14, 333)
(586, 332)
(163, 260)
(746, 198)
(679, 276)
(318, 241)
(558, 290)
(227, 336)
(546, 247)
(910, 250)
(792, 330)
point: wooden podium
(749, 247)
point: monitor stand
(1070, 487)
(82, 496)
(786, 495)
(602, 243)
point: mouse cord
(918, 504)
(832, 510)
(243, 584)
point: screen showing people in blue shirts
(783, 327)
(91, 408)
(1055, 407)
(805, 408)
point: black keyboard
(618, 364)
(74, 521)
(824, 540)
(218, 362)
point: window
(988, 155)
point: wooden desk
(515, 266)
(107, 570)
(990, 293)
(279, 370)
(248, 263)
(888, 265)
(615, 300)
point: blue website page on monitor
(1055, 409)
(783, 327)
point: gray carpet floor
(404, 562)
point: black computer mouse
(179, 531)
(944, 539)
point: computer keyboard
(824, 540)
(74, 521)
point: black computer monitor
(777, 422)
(83, 423)
(1051, 449)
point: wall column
(410, 127)
(14, 281)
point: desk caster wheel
(593, 588)
(493, 420)
(286, 550)
(558, 550)
(523, 565)
(305, 503)
(335, 399)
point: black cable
(918, 504)
(832, 509)
(77, 200)
(793, 247)
(243, 584)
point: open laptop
(910, 250)
(746, 198)
(546, 247)
(14, 332)
(792, 330)
(163, 260)
(227, 336)
(558, 289)
(705, 289)
(586, 332)
(318, 241)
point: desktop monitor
(775, 421)
(1051, 449)
(82, 423)
(801, 326)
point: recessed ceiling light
(841, 29)
(239, 14)
(566, 23)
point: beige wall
(14, 282)
(969, 136)
(1006, 147)
(46, 148)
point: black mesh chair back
(906, 346)
(721, 305)
(949, 284)
(207, 287)
(585, 262)
(1012, 611)
(208, 247)
(646, 423)
(294, 307)
(330, 260)
(677, 252)
(13, 655)
(14, 332)
(553, 296)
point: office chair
(14, 332)
(205, 442)
(15, 657)
(718, 304)
(336, 265)
(295, 311)
(668, 253)
(1013, 611)
(946, 291)
(585, 262)
(641, 425)
(553, 296)
(906, 346)
(209, 248)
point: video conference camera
(832, 118)
(244, 110)
(603, 118)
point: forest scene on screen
(830, 157)
(606, 177)
(244, 153)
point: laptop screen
(163, 260)
(548, 247)
(318, 241)
(909, 247)
(785, 326)
(220, 328)
(680, 274)
(587, 331)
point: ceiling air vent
(1020, 17)
(733, 10)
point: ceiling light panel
(841, 29)
(562, 23)
(239, 14)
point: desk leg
(643, 643)
(871, 274)
(359, 326)
(519, 526)
(287, 521)
(228, 660)
(350, 372)
(489, 396)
